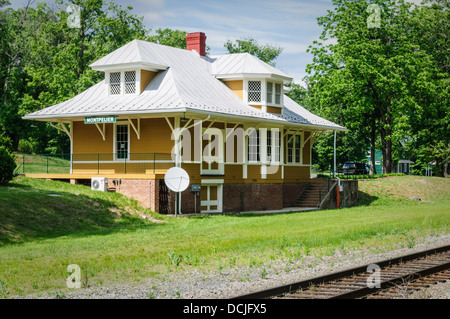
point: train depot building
(225, 119)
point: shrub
(25, 147)
(6, 141)
(7, 166)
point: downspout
(334, 154)
(338, 190)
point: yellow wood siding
(237, 87)
(88, 146)
(259, 107)
(274, 110)
(194, 172)
(155, 137)
(87, 139)
(233, 173)
(146, 77)
(296, 173)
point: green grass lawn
(41, 234)
(42, 164)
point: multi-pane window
(254, 91)
(269, 92)
(253, 146)
(130, 82)
(115, 83)
(277, 93)
(273, 93)
(273, 142)
(122, 141)
(123, 82)
(273, 145)
(294, 149)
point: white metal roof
(242, 64)
(186, 82)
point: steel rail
(304, 284)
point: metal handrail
(326, 183)
(124, 162)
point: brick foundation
(236, 197)
(145, 191)
(252, 197)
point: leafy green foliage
(264, 52)
(7, 166)
(378, 82)
(173, 38)
(45, 62)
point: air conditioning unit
(99, 184)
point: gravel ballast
(228, 283)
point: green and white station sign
(99, 119)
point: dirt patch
(119, 212)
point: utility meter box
(196, 187)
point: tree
(369, 72)
(7, 166)
(265, 52)
(45, 61)
(428, 125)
(169, 37)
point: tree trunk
(373, 169)
(386, 143)
(446, 174)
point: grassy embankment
(41, 234)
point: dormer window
(273, 93)
(265, 95)
(130, 82)
(254, 91)
(123, 82)
(277, 93)
(115, 83)
(269, 92)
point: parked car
(355, 168)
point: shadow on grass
(364, 199)
(28, 213)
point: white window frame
(274, 94)
(219, 158)
(122, 82)
(274, 148)
(115, 141)
(264, 87)
(208, 202)
(125, 82)
(263, 92)
(258, 145)
(293, 162)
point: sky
(289, 24)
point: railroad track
(392, 278)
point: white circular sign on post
(177, 179)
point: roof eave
(66, 117)
(133, 65)
(241, 76)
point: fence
(94, 163)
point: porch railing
(94, 163)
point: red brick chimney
(196, 41)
